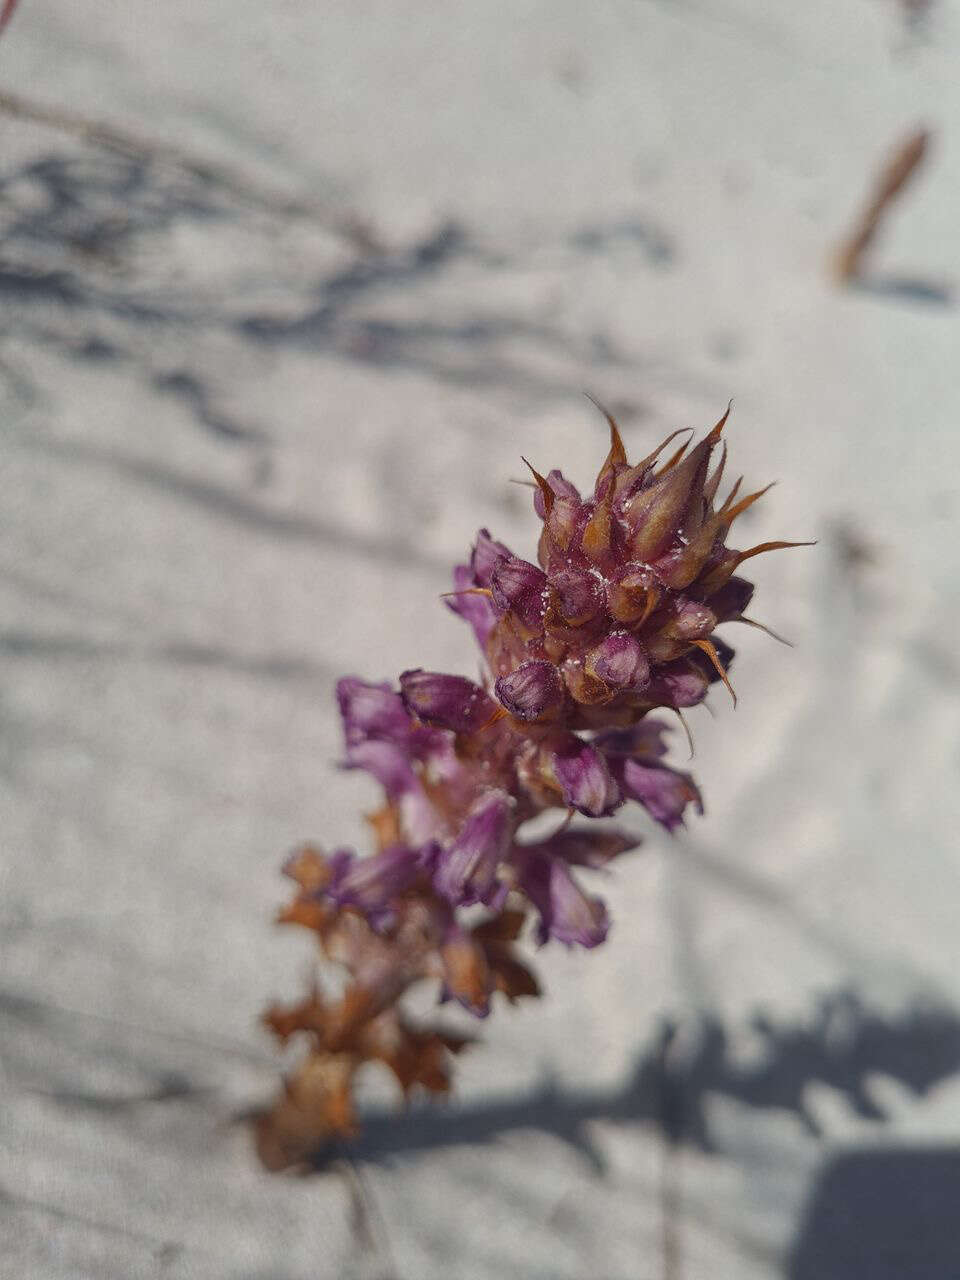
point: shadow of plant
(841, 1046)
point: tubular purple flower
(446, 702)
(663, 792)
(370, 884)
(566, 913)
(585, 779)
(466, 872)
(371, 711)
(534, 691)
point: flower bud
(561, 487)
(619, 661)
(577, 595)
(447, 702)
(534, 691)
(585, 779)
(632, 594)
(677, 686)
(519, 587)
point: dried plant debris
(900, 168)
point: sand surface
(285, 290)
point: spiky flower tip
(619, 616)
(616, 621)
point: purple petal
(371, 884)
(585, 779)
(467, 871)
(371, 711)
(533, 691)
(447, 702)
(566, 913)
(664, 793)
(485, 556)
(592, 849)
(387, 762)
(475, 609)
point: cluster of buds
(617, 620)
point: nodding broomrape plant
(616, 620)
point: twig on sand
(896, 173)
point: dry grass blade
(894, 176)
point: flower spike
(619, 616)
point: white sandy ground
(240, 451)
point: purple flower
(447, 702)
(371, 711)
(566, 913)
(585, 779)
(534, 691)
(635, 757)
(663, 792)
(371, 884)
(467, 871)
